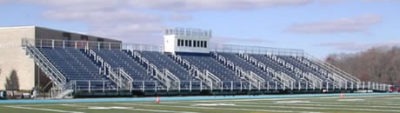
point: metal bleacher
(274, 65)
(292, 60)
(73, 64)
(247, 66)
(206, 62)
(77, 68)
(118, 59)
(163, 61)
(304, 67)
(153, 72)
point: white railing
(253, 78)
(173, 79)
(283, 78)
(315, 81)
(142, 47)
(257, 50)
(215, 83)
(163, 77)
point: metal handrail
(333, 68)
(60, 79)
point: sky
(319, 27)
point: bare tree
(379, 64)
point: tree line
(378, 64)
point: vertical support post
(41, 43)
(179, 86)
(241, 86)
(76, 44)
(327, 86)
(249, 86)
(352, 85)
(231, 85)
(190, 86)
(98, 45)
(63, 44)
(143, 86)
(52, 43)
(363, 85)
(291, 85)
(299, 86)
(201, 85)
(369, 85)
(211, 85)
(87, 44)
(109, 45)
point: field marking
(215, 104)
(319, 104)
(297, 98)
(191, 107)
(292, 102)
(319, 108)
(351, 100)
(101, 107)
(43, 109)
(107, 108)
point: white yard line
(196, 107)
(124, 108)
(320, 108)
(321, 104)
(263, 99)
(132, 109)
(43, 109)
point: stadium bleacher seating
(247, 66)
(207, 62)
(119, 59)
(274, 65)
(74, 64)
(163, 61)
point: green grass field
(329, 104)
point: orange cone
(158, 100)
(341, 95)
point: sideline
(187, 98)
(43, 109)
